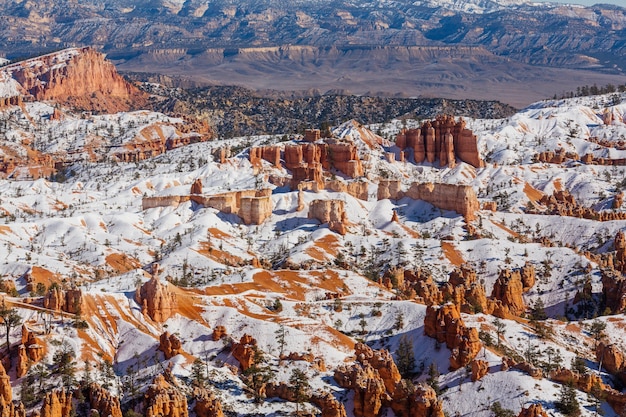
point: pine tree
(567, 402)
(433, 378)
(405, 357)
(280, 338)
(258, 375)
(300, 385)
(197, 373)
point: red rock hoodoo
(155, 299)
(244, 351)
(163, 400)
(170, 345)
(443, 139)
(331, 212)
(102, 400)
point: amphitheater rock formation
(442, 139)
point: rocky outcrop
(480, 368)
(253, 206)
(102, 400)
(534, 410)
(218, 333)
(59, 299)
(510, 286)
(170, 345)
(614, 290)
(80, 78)
(382, 361)
(244, 351)
(11, 409)
(196, 187)
(57, 404)
(611, 357)
(163, 201)
(443, 139)
(329, 405)
(31, 350)
(444, 324)
(331, 212)
(562, 203)
(206, 403)
(155, 298)
(163, 400)
(459, 198)
(370, 393)
(377, 383)
(6, 392)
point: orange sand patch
(39, 274)
(4, 230)
(336, 338)
(59, 205)
(532, 193)
(91, 350)
(289, 283)
(136, 190)
(188, 304)
(454, 256)
(326, 246)
(330, 281)
(558, 185)
(506, 229)
(83, 222)
(218, 255)
(218, 233)
(103, 226)
(573, 327)
(147, 232)
(241, 307)
(121, 263)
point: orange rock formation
(155, 299)
(244, 351)
(459, 198)
(170, 345)
(442, 139)
(480, 368)
(207, 404)
(533, 410)
(57, 404)
(59, 299)
(164, 400)
(102, 400)
(444, 324)
(331, 212)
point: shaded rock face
(614, 290)
(416, 401)
(253, 206)
(611, 357)
(207, 404)
(10, 409)
(562, 203)
(101, 399)
(331, 212)
(218, 333)
(163, 400)
(57, 404)
(170, 345)
(459, 198)
(369, 389)
(244, 351)
(79, 78)
(196, 187)
(155, 299)
(443, 139)
(444, 324)
(382, 361)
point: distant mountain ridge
(525, 50)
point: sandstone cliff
(79, 78)
(59, 299)
(459, 198)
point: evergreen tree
(197, 373)
(567, 402)
(10, 319)
(258, 375)
(433, 378)
(300, 385)
(597, 331)
(405, 357)
(280, 338)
